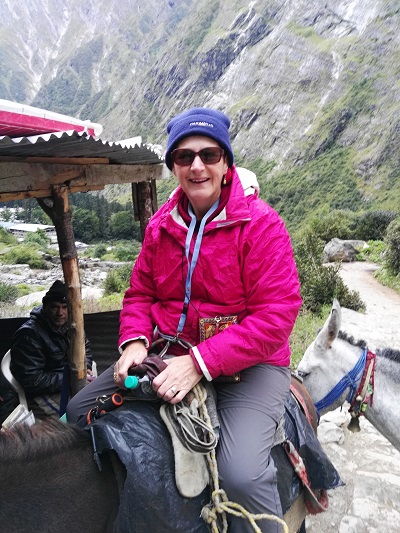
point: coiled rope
(214, 513)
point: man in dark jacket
(39, 354)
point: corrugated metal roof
(78, 144)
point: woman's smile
(201, 182)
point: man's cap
(56, 293)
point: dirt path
(366, 461)
(380, 324)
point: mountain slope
(312, 88)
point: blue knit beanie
(199, 121)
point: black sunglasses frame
(193, 154)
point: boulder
(341, 250)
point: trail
(380, 324)
(366, 461)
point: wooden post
(58, 208)
(144, 197)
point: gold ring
(115, 376)
(173, 390)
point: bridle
(362, 374)
(349, 380)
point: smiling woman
(199, 167)
(217, 282)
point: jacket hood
(36, 312)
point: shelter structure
(49, 167)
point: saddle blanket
(150, 500)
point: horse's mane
(25, 442)
(389, 353)
(351, 340)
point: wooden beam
(144, 196)
(23, 177)
(7, 197)
(56, 160)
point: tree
(6, 214)
(85, 224)
(392, 255)
(122, 225)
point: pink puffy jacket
(245, 268)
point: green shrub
(388, 279)
(372, 226)
(100, 251)
(24, 254)
(117, 279)
(24, 289)
(374, 253)
(392, 255)
(336, 223)
(7, 238)
(8, 293)
(37, 237)
(127, 252)
(321, 284)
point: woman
(217, 271)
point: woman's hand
(180, 376)
(134, 353)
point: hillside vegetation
(312, 88)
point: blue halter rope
(349, 380)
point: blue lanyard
(192, 264)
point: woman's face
(200, 182)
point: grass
(305, 331)
(112, 302)
(387, 279)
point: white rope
(214, 514)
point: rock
(339, 416)
(36, 297)
(340, 250)
(330, 432)
(351, 524)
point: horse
(336, 368)
(51, 482)
(46, 466)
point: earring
(224, 180)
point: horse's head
(327, 360)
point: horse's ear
(334, 321)
(331, 327)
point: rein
(349, 380)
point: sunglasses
(183, 157)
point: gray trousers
(249, 412)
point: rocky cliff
(309, 85)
